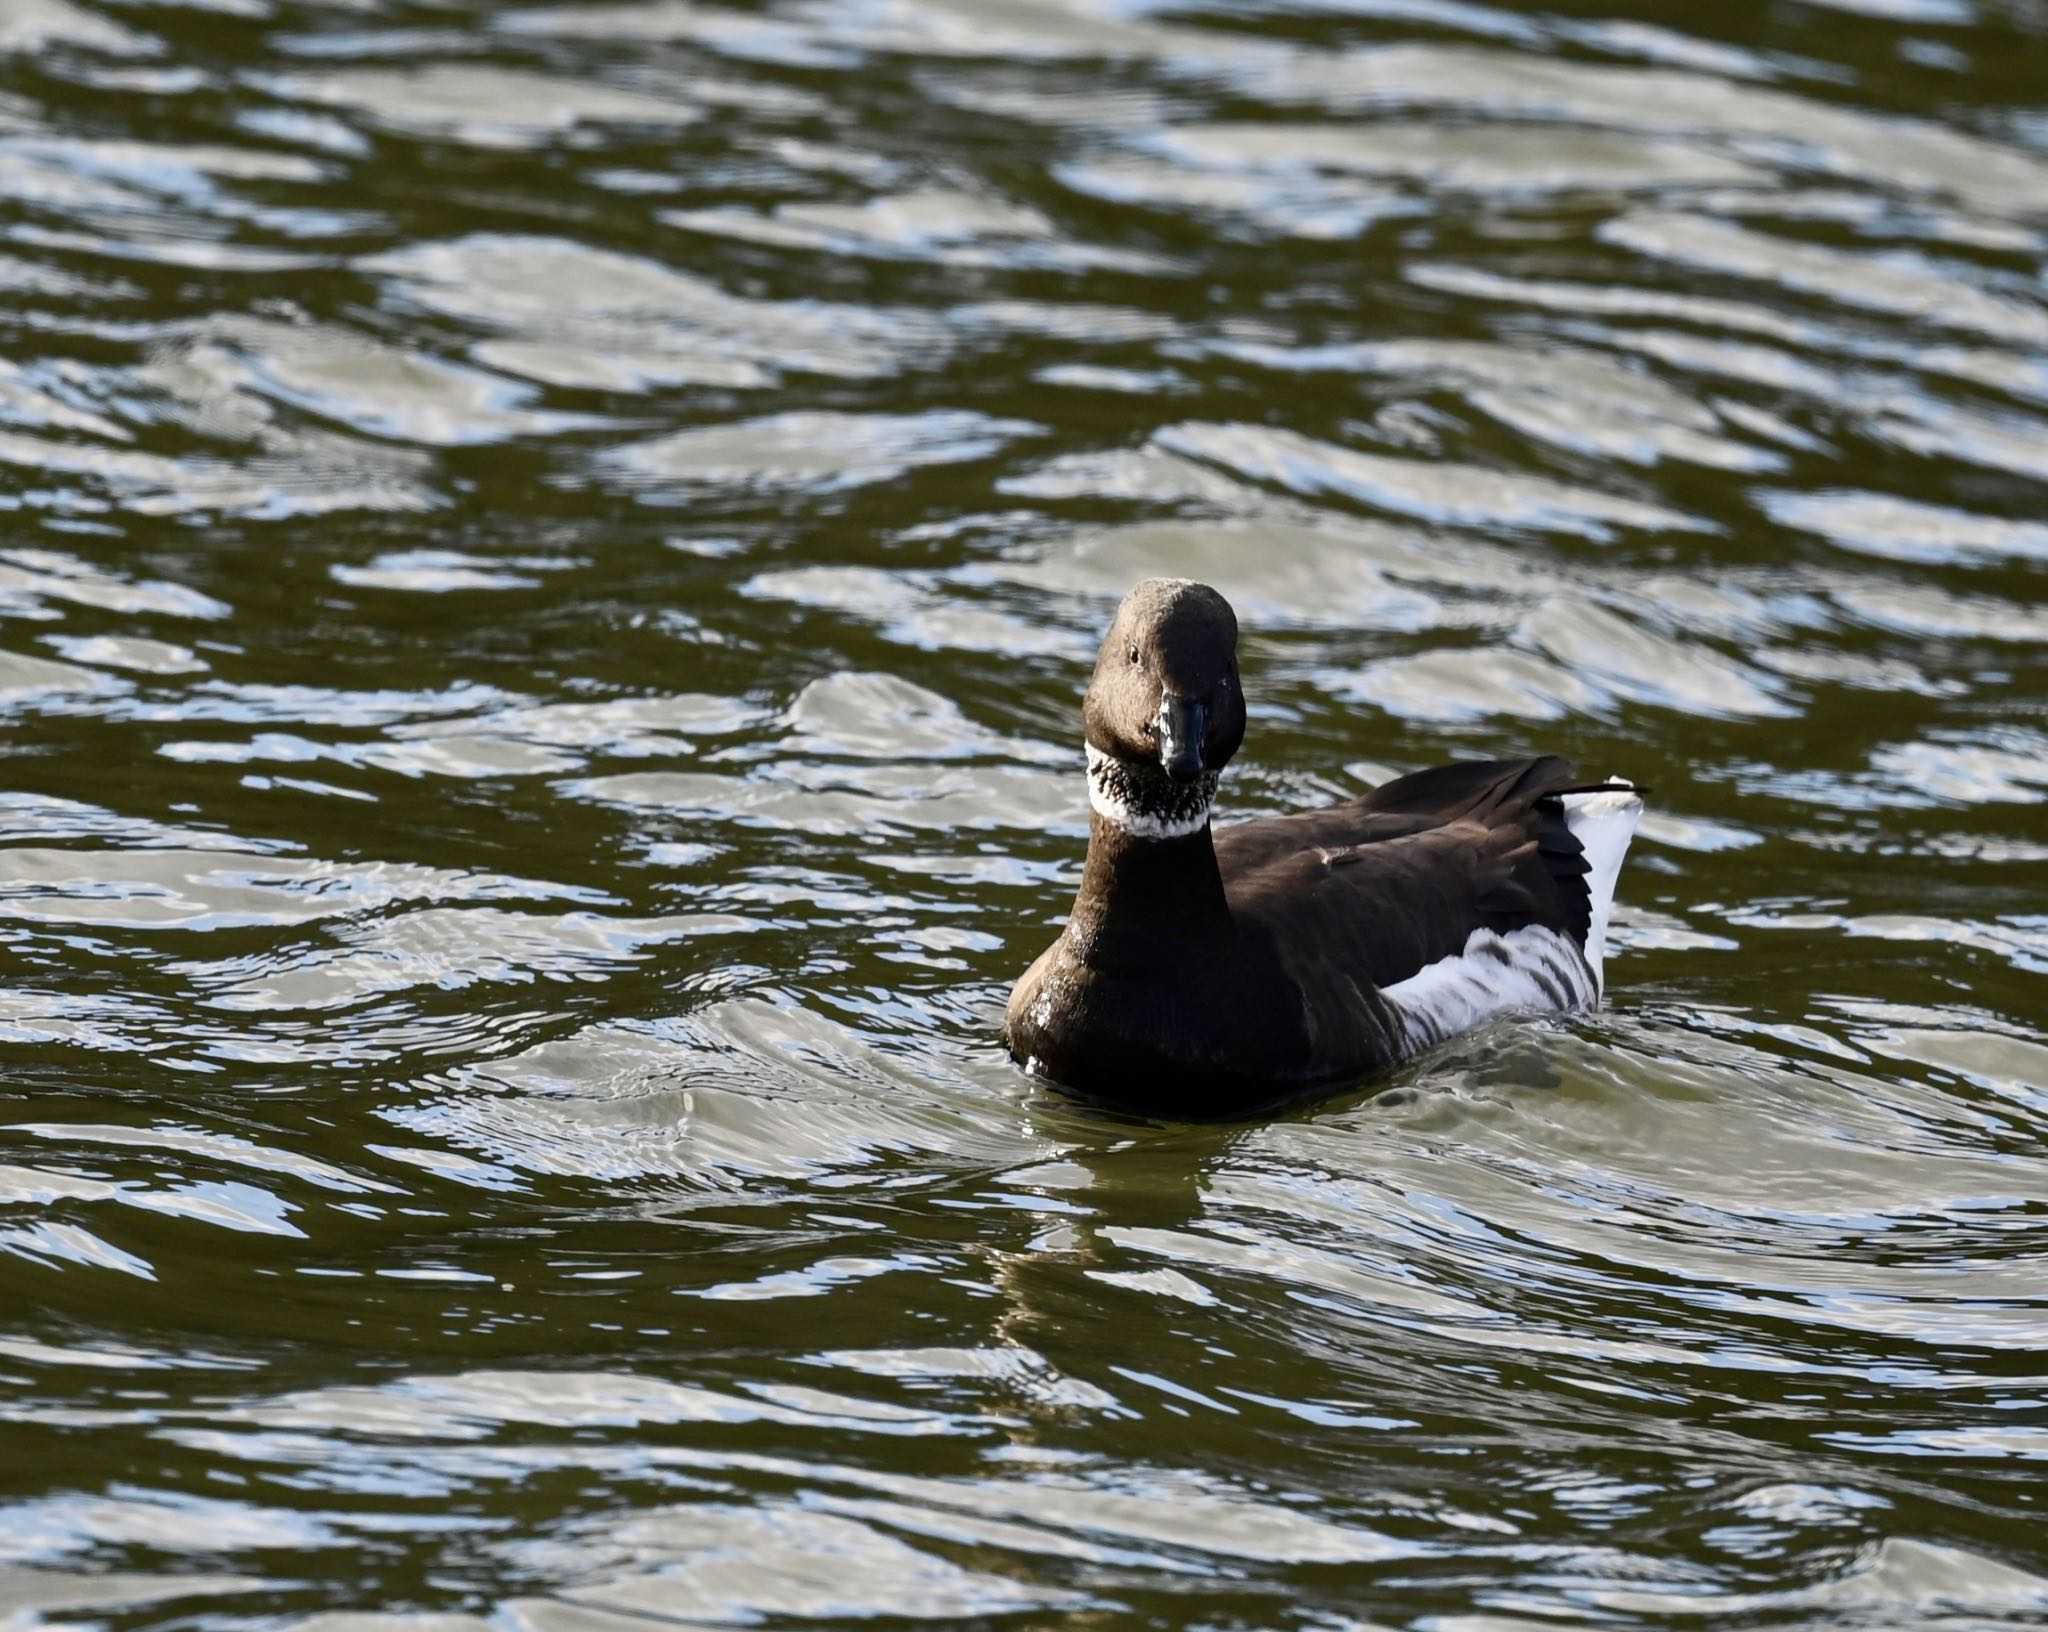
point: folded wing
(1381, 888)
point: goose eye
(1134, 655)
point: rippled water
(550, 556)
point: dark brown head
(1164, 711)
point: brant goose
(1214, 974)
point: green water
(550, 558)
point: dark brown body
(1225, 972)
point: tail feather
(1603, 819)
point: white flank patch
(1528, 969)
(1141, 824)
(1603, 823)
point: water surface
(549, 558)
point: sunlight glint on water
(549, 559)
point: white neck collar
(1108, 783)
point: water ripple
(551, 561)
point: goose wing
(1378, 889)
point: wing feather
(1399, 879)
